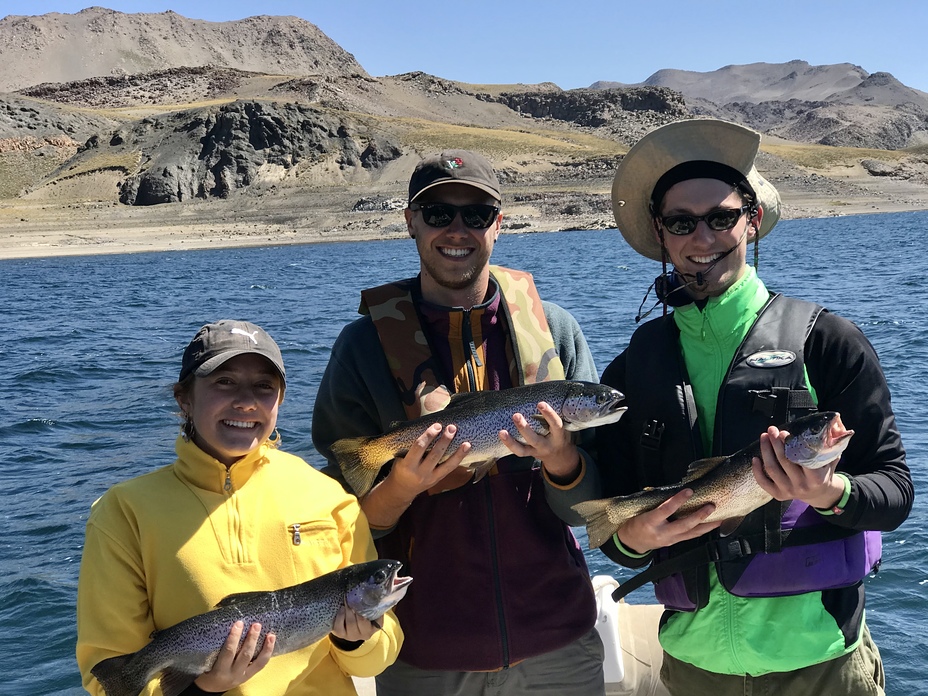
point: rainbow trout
(479, 416)
(298, 615)
(728, 482)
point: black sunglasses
(477, 216)
(719, 220)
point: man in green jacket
(778, 606)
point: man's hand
(556, 450)
(415, 473)
(655, 530)
(785, 480)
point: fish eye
(380, 576)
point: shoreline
(44, 231)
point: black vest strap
(729, 549)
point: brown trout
(727, 482)
(479, 416)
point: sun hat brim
(666, 147)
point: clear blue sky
(530, 41)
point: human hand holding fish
(349, 625)
(235, 665)
(783, 479)
(661, 527)
(556, 450)
(417, 471)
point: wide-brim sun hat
(695, 140)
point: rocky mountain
(837, 105)
(157, 108)
(97, 42)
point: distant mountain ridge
(797, 79)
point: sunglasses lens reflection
(477, 216)
(718, 220)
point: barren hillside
(267, 119)
(98, 42)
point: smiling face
(234, 408)
(702, 250)
(454, 260)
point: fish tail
(115, 679)
(358, 467)
(599, 528)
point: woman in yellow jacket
(232, 514)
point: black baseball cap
(454, 167)
(220, 341)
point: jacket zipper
(470, 347)
(494, 550)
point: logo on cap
(455, 163)
(771, 358)
(242, 332)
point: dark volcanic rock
(594, 108)
(211, 153)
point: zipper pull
(469, 338)
(228, 486)
(296, 535)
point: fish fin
(730, 525)
(599, 528)
(114, 678)
(231, 599)
(174, 682)
(359, 471)
(701, 467)
(466, 397)
(480, 469)
(538, 423)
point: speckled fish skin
(298, 615)
(479, 416)
(728, 482)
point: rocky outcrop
(595, 108)
(174, 85)
(211, 153)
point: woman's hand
(234, 666)
(351, 626)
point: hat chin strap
(700, 279)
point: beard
(456, 278)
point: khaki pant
(859, 673)
(574, 670)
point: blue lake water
(91, 346)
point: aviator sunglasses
(477, 216)
(718, 220)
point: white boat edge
(629, 632)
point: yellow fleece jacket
(170, 544)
